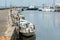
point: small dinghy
(26, 28)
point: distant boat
(32, 8)
(40, 9)
(49, 10)
(46, 9)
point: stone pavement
(3, 21)
(6, 29)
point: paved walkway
(6, 29)
(3, 21)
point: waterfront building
(57, 7)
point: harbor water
(47, 25)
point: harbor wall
(7, 31)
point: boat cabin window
(27, 25)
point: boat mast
(53, 3)
(43, 6)
(5, 4)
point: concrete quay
(3, 21)
(6, 29)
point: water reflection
(27, 38)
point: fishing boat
(26, 28)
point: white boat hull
(46, 10)
(27, 30)
(28, 34)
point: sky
(27, 2)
